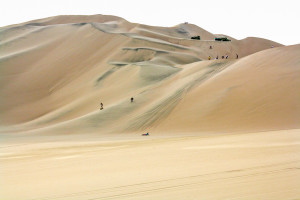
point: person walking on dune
(101, 106)
(209, 57)
(131, 99)
(237, 56)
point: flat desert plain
(261, 165)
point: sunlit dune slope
(258, 92)
(56, 71)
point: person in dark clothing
(237, 56)
(131, 99)
(101, 106)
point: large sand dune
(54, 73)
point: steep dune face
(56, 71)
(258, 92)
(43, 76)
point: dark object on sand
(222, 39)
(196, 37)
(145, 134)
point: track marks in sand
(163, 108)
(156, 113)
(148, 190)
(212, 70)
(242, 146)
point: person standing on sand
(131, 99)
(217, 57)
(237, 56)
(209, 57)
(101, 106)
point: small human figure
(272, 46)
(101, 106)
(226, 56)
(210, 47)
(131, 99)
(222, 57)
(145, 134)
(237, 56)
(209, 57)
(217, 57)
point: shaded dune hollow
(56, 71)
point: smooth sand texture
(219, 129)
(262, 165)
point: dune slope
(56, 71)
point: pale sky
(270, 19)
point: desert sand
(219, 128)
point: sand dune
(257, 92)
(59, 69)
(227, 125)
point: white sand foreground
(249, 166)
